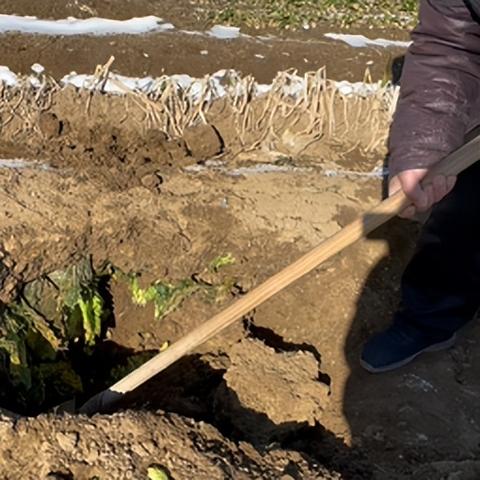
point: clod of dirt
(152, 181)
(50, 125)
(203, 141)
(345, 215)
(268, 394)
(126, 444)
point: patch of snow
(87, 82)
(89, 26)
(360, 41)
(356, 88)
(118, 84)
(216, 85)
(37, 68)
(8, 77)
(262, 168)
(224, 33)
(376, 173)
(19, 163)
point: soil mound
(124, 446)
(269, 394)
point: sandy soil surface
(319, 415)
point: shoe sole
(436, 347)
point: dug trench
(171, 238)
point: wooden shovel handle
(453, 164)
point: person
(439, 105)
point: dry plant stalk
(310, 108)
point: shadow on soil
(375, 307)
(414, 418)
(193, 388)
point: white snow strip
(218, 80)
(356, 88)
(216, 85)
(262, 168)
(87, 82)
(118, 84)
(89, 26)
(360, 41)
(19, 163)
(224, 33)
(140, 25)
(376, 173)
(258, 169)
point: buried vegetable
(50, 334)
(54, 314)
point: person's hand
(423, 198)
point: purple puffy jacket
(440, 86)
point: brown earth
(113, 185)
(93, 201)
(342, 422)
(125, 445)
(158, 54)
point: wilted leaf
(221, 261)
(169, 297)
(39, 325)
(141, 296)
(92, 313)
(43, 296)
(157, 473)
(18, 368)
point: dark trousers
(441, 285)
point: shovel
(453, 164)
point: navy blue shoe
(399, 345)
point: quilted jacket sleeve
(440, 86)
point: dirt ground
(156, 54)
(323, 418)
(171, 229)
(280, 394)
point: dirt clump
(268, 394)
(125, 445)
(203, 141)
(50, 125)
